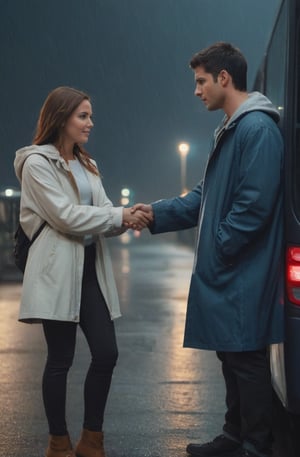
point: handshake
(138, 216)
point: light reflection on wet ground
(162, 395)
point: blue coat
(235, 300)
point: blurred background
(132, 57)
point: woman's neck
(66, 150)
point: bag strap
(38, 232)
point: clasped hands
(138, 216)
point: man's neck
(233, 102)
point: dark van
(279, 79)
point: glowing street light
(183, 149)
(127, 196)
(125, 193)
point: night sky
(132, 57)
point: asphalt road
(162, 396)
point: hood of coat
(255, 102)
(47, 150)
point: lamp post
(183, 149)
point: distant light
(125, 192)
(183, 149)
(136, 233)
(9, 192)
(280, 108)
(124, 201)
(184, 192)
(125, 238)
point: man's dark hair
(223, 56)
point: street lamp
(183, 149)
(127, 196)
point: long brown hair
(56, 110)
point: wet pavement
(163, 395)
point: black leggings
(60, 336)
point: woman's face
(79, 124)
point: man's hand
(142, 207)
(145, 208)
(137, 218)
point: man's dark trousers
(248, 398)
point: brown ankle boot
(90, 444)
(59, 446)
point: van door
(279, 79)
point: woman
(68, 278)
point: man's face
(211, 92)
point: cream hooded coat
(53, 274)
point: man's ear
(224, 78)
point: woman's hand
(143, 207)
(136, 218)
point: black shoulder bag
(22, 245)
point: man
(235, 298)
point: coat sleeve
(258, 190)
(44, 195)
(177, 213)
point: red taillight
(293, 274)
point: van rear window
(275, 74)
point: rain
(132, 57)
